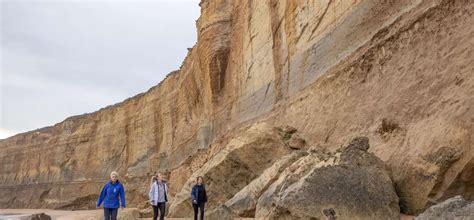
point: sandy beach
(92, 214)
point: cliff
(267, 79)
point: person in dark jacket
(158, 196)
(112, 194)
(199, 197)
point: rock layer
(397, 72)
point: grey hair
(114, 173)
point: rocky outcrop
(234, 167)
(244, 203)
(320, 72)
(350, 183)
(455, 208)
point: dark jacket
(195, 193)
(110, 195)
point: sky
(64, 58)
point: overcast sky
(64, 58)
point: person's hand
(195, 201)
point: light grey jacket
(154, 192)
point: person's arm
(151, 194)
(166, 192)
(101, 196)
(193, 194)
(122, 196)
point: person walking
(199, 197)
(113, 195)
(158, 196)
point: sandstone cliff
(268, 80)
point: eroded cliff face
(307, 75)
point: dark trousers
(110, 214)
(196, 207)
(162, 207)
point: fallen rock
(244, 202)
(296, 142)
(455, 208)
(348, 184)
(242, 160)
(292, 140)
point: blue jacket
(195, 193)
(110, 195)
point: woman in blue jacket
(199, 197)
(112, 194)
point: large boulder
(348, 184)
(242, 160)
(455, 208)
(244, 203)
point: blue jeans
(110, 213)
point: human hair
(202, 179)
(114, 173)
(153, 179)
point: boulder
(455, 208)
(348, 184)
(244, 202)
(242, 160)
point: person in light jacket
(199, 197)
(112, 194)
(158, 196)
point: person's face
(160, 178)
(113, 178)
(199, 181)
